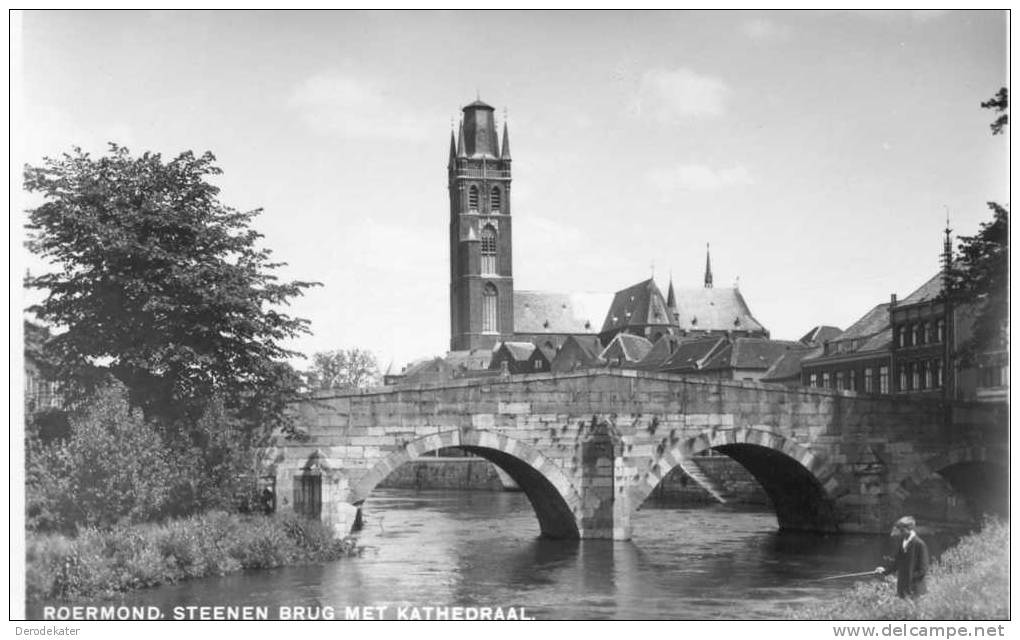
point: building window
(488, 249)
(883, 379)
(490, 300)
(903, 378)
(915, 375)
(538, 365)
(813, 380)
(869, 380)
(473, 198)
(851, 380)
(936, 373)
(940, 327)
(825, 380)
(918, 334)
(928, 377)
(839, 380)
(995, 376)
(495, 200)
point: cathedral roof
(714, 309)
(638, 305)
(549, 312)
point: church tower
(481, 271)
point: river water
(481, 549)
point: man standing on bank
(910, 561)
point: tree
(979, 275)
(1000, 103)
(343, 369)
(158, 284)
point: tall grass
(969, 582)
(100, 563)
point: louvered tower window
(490, 302)
(488, 250)
(473, 198)
(495, 200)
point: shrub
(969, 582)
(100, 563)
(112, 468)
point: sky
(818, 152)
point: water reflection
(482, 549)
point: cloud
(765, 29)
(673, 95)
(698, 177)
(354, 108)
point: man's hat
(906, 522)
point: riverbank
(968, 582)
(98, 564)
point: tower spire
(504, 154)
(453, 144)
(708, 266)
(671, 296)
(460, 142)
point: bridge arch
(979, 474)
(553, 496)
(801, 484)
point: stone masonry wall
(828, 460)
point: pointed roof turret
(453, 145)
(460, 142)
(671, 297)
(708, 266)
(505, 153)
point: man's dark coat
(911, 566)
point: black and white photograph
(698, 316)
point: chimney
(892, 300)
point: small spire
(671, 296)
(460, 142)
(505, 153)
(947, 253)
(453, 144)
(708, 266)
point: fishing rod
(850, 575)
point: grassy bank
(969, 582)
(101, 563)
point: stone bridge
(589, 447)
